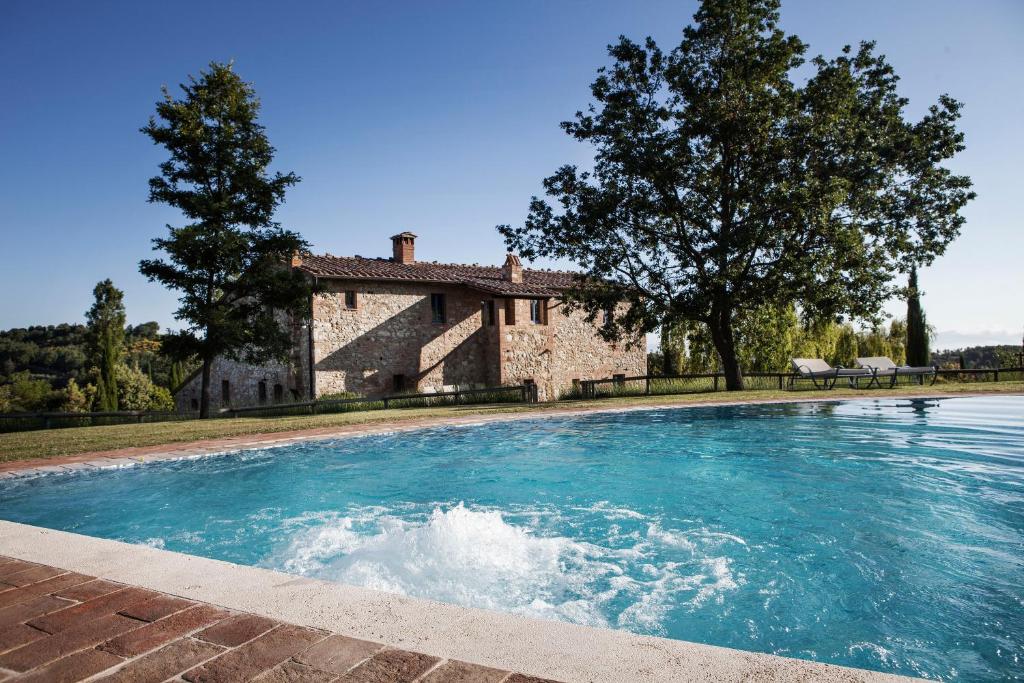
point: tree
(918, 353)
(105, 321)
(137, 391)
(719, 185)
(177, 375)
(673, 349)
(76, 399)
(229, 262)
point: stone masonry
(384, 326)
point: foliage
(56, 351)
(23, 393)
(673, 348)
(105, 321)
(1005, 356)
(137, 392)
(720, 186)
(77, 399)
(768, 339)
(918, 352)
(228, 261)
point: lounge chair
(884, 367)
(817, 370)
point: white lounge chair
(883, 366)
(817, 370)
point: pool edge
(544, 648)
(126, 457)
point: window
(437, 307)
(537, 311)
(398, 383)
(510, 311)
(261, 389)
(278, 393)
(225, 392)
(488, 312)
(350, 299)
(195, 404)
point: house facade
(384, 326)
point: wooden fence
(656, 385)
(520, 393)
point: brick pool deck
(58, 625)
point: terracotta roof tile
(543, 283)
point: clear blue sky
(436, 117)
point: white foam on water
(474, 557)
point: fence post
(716, 381)
(387, 402)
(647, 389)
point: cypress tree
(177, 375)
(106, 321)
(918, 353)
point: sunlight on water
(883, 534)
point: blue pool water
(882, 534)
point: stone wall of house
(243, 386)
(391, 333)
(281, 382)
(564, 348)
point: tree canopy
(720, 184)
(229, 261)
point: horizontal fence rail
(518, 393)
(659, 385)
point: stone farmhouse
(384, 326)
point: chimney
(403, 245)
(513, 269)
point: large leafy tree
(720, 184)
(105, 322)
(228, 261)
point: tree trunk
(725, 343)
(204, 396)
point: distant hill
(54, 352)
(57, 352)
(1003, 355)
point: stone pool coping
(132, 456)
(547, 649)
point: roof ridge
(387, 259)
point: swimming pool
(882, 534)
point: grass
(72, 441)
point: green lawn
(71, 441)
